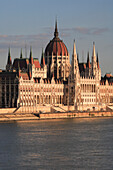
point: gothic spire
(78, 58)
(88, 61)
(94, 53)
(97, 57)
(75, 68)
(9, 58)
(56, 30)
(74, 49)
(42, 59)
(88, 57)
(21, 53)
(31, 57)
(94, 63)
(97, 61)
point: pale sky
(31, 23)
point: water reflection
(57, 144)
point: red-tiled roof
(108, 75)
(24, 76)
(36, 63)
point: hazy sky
(31, 22)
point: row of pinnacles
(30, 66)
(53, 78)
(55, 61)
(88, 70)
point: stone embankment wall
(11, 115)
(7, 110)
(75, 115)
(17, 117)
(37, 109)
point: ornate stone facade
(54, 81)
(87, 86)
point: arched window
(60, 100)
(59, 71)
(49, 99)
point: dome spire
(56, 30)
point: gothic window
(59, 72)
(94, 88)
(60, 100)
(62, 74)
(49, 99)
(55, 71)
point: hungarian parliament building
(54, 82)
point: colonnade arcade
(88, 88)
(41, 100)
(32, 94)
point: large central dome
(56, 46)
(57, 57)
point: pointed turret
(56, 30)
(94, 53)
(74, 49)
(21, 53)
(94, 64)
(42, 59)
(78, 58)
(88, 61)
(9, 61)
(88, 57)
(98, 69)
(97, 62)
(18, 70)
(74, 61)
(75, 76)
(31, 57)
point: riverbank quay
(76, 114)
(13, 117)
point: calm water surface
(57, 144)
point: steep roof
(24, 76)
(22, 62)
(36, 63)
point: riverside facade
(26, 82)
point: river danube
(57, 144)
